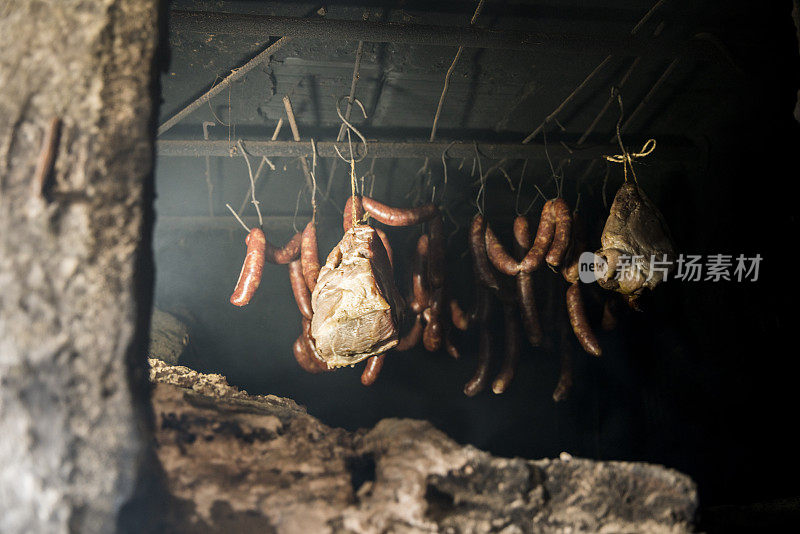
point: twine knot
(626, 158)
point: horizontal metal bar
(263, 26)
(170, 223)
(408, 149)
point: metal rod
(171, 223)
(235, 74)
(591, 75)
(407, 149)
(567, 100)
(330, 30)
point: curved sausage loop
(398, 216)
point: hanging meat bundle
(355, 301)
(636, 245)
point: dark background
(703, 381)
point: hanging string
(626, 158)
(519, 186)
(313, 181)
(444, 168)
(252, 182)
(297, 207)
(238, 218)
(353, 128)
(558, 184)
(353, 183)
(481, 192)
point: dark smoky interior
(702, 379)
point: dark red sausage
(309, 255)
(301, 294)
(579, 322)
(386, 245)
(527, 305)
(419, 275)
(542, 241)
(372, 370)
(398, 216)
(304, 352)
(451, 349)
(252, 268)
(436, 263)
(525, 294)
(565, 377)
(411, 339)
(506, 374)
(432, 334)
(287, 254)
(563, 224)
(434, 331)
(477, 241)
(522, 236)
(480, 379)
(501, 259)
(458, 317)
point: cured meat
(355, 302)
(635, 232)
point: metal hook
(351, 127)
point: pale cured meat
(355, 301)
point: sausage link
(289, 252)
(527, 305)
(563, 224)
(372, 370)
(309, 255)
(522, 236)
(458, 317)
(480, 259)
(480, 379)
(432, 334)
(450, 347)
(501, 259)
(347, 218)
(304, 352)
(252, 268)
(386, 245)
(411, 339)
(579, 322)
(565, 377)
(571, 269)
(398, 216)
(419, 276)
(483, 307)
(506, 374)
(525, 293)
(301, 294)
(436, 263)
(542, 241)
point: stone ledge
(236, 462)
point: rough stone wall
(74, 425)
(240, 463)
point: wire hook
(351, 127)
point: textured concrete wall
(74, 426)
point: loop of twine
(626, 158)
